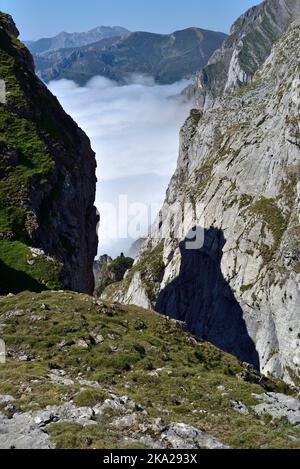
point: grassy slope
(20, 135)
(184, 390)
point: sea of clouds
(134, 130)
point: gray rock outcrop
(244, 51)
(29, 430)
(22, 433)
(181, 436)
(279, 406)
(108, 271)
(101, 272)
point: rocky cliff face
(108, 271)
(47, 182)
(244, 51)
(239, 174)
(102, 273)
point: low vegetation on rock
(47, 182)
(64, 347)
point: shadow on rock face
(14, 281)
(201, 297)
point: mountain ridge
(78, 372)
(167, 57)
(67, 40)
(248, 45)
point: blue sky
(36, 18)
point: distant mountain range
(65, 40)
(166, 57)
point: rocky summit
(238, 174)
(47, 182)
(108, 271)
(247, 47)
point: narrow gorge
(196, 344)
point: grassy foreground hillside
(67, 347)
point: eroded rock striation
(244, 51)
(238, 175)
(47, 182)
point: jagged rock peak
(244, 51)
(7, 23)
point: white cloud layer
(134, 131)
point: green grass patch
(272, 219)
(20, 270)
(90, 398)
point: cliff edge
(47, 182)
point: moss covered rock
(47, 181)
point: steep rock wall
(239, 173)
(244, 51)
(47, 182)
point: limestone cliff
(47, 182)
(239, 171)
(244, 51)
